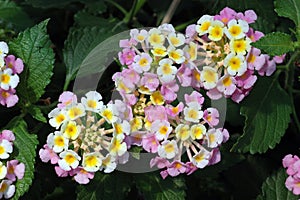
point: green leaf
(79, 44)
(289, 9)
(33, 47)
(11, 13)
(276, 43)
(104, 186)
(267, 110)
(153, 187)
(25, 146)
(274, 188)
(37, 114)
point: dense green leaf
(25, 146)
(104, 186)
(275, 43)
(14, 14)
(267, 110)
(37, 114)
(289, 9)
(153, 187)
(79, 44)
(274, 188)
(33, 46)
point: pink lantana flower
(254, 35)
(211, 116)
(47, 154)
(15, 169)
(81, 176)
(7, 135)
(249, 16)
(150, 143)
(169, 91)
(247, 80)
(255, 59)
(142, 63)
(293, 184)
(194, 97)
(176, 168)
(226, 85)
(16, 65)
(7, 190)
(66, 98)
(8, 97)
(150, 81)
(226, 15)
(126, 56)
(60, 172)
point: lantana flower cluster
(292, 165)
(89, 137)
(11, 170)
(10, 68)
(226, 61)
(149, 83)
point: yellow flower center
(209, 76)
(5, 94)
(239, 46)
(70, 159)
(204, 26)
(169, 148)
(91, 161)
(197, 132)
(156, 39)
(71, 130)
(59, 141)
(140, 37)
(174, 40)
(199, 157)
(212, 138)
(2, 150)
(163, 130)
(3, 187)
(227, 81)
(60, 118)
(235, 63)
(235, 30)
(143, 62)
(174, 55)
(107, 114)
(5, 78)
(166, 68)
(156, 98)
(74, 112)
(92, 103)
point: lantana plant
(10, 68)
(89, 137)
(225, 62)
(160, 123)
(11, 169)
